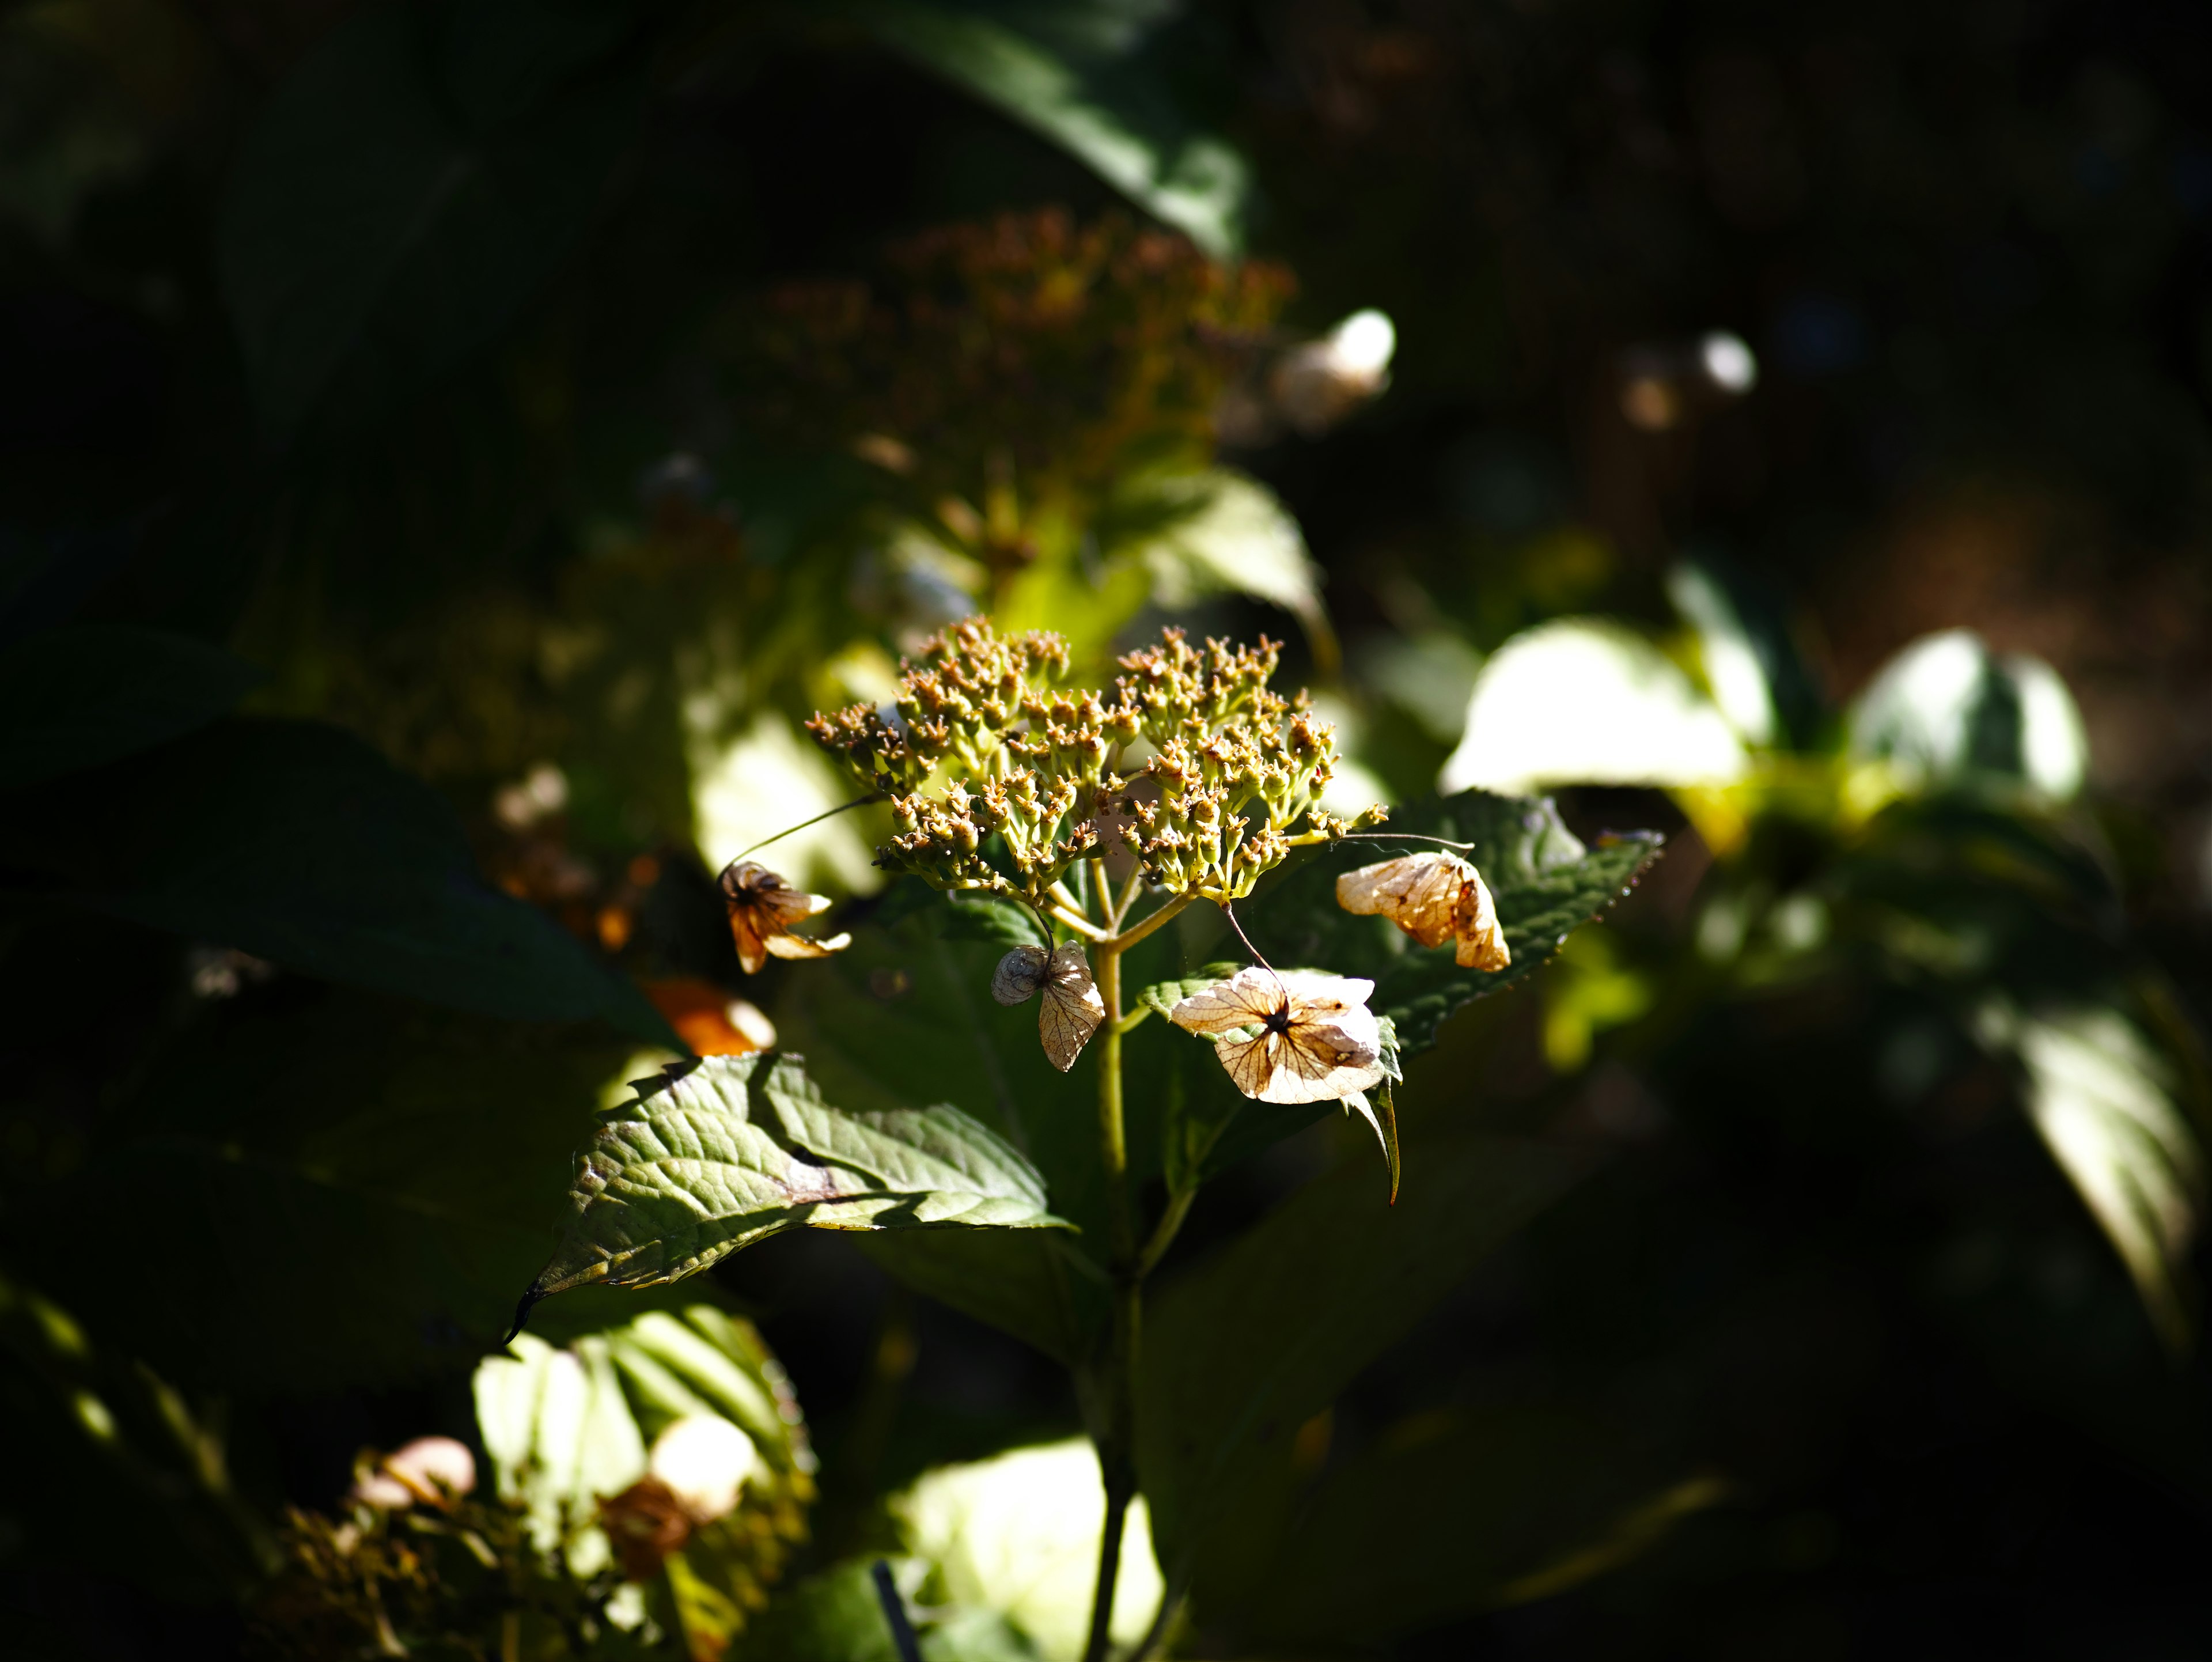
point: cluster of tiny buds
(1028, 777)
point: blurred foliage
(444, 450)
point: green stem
(1116, 1433)
(1164, 1232)
(1167, 914)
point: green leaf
(1585, 701)
(411, 182)
(1220, 532)
(88, 693)
(1079, 75)
(905, 1015)
(2104, 1100)
(566, 1426)
(313, 1198)
(295, 841)
(835, 1616)
(1019, 1535)
(716, 1154)
(1033, 1285)
(1245, 1348)
(1546, 882)
(1163, 996)
(1757, 671)
(1443, 1519)
(1947, 710)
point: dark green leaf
(1444, 1519)
(1546, 882)
(1079, 75)
(905, 1015)
(716, 1154)
(1242, 1349)
(412, 182)
(1032, 1284)
(296, 842)
(88, 693)
(347, 1194)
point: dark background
(1970, 246)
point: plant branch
(1130, 890)
(1122, 942)
(1077, 922)
(1164, 1232)
(1115, 1434)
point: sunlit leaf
(2102, 1099)
(717, 1155)
(1585, 701)
(1947, 709)
(1219, 532)
(86, 694)
(568, 1426)
(1019, 1535)
(1759, 677)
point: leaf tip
(523, 1306)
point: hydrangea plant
(1069, 827)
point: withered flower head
(1433, 897)
(764, 906)
(644, 1524)
(1291, 1036)
(1001, 779)
(1072, 1009)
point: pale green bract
(715, 1154)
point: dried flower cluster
(1029, 777)
(1069, 348)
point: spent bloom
(1000, 778)
(1434, 897)
(1289, 1037)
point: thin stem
(1068, 897)
(1131, 1020)
(1400, 837)
(1130, 890)
(1077, 922)
(1117, 1434)
(827, 813)
(1229, 911)
(1164, 1232)
(1128, 938)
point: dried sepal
(1019, 974)
(1072, 1009)
(1433, 897)
(1291, 1036)
(764, 906)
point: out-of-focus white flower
(705, 1461)
(1318, 384)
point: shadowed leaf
(87, 694)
